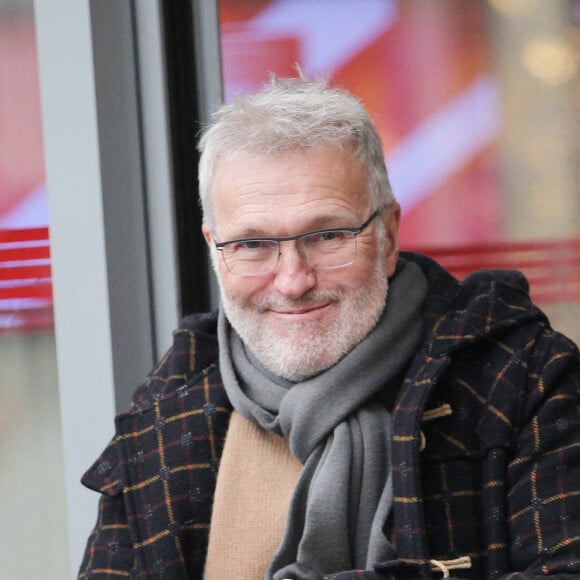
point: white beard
(304, 349)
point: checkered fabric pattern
(498, 479)
(485, 449)
(158, 474)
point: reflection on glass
(32, 503)
(477, 106)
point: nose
(293, 277)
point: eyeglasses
(326, 249)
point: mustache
(311, 299)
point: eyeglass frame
(354, 230)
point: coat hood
(483, 305)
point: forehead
(286, 191)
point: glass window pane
(32, 496)
(477, 106)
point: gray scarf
(339, 430)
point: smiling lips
(302, 312)
(310, 305)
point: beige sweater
(256, 479)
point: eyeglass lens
(323, 250)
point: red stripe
(551, 267)
(23, 235)
(43, 290)
(25, 272)
(20, 254)
(504, 247)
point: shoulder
(180, 402)
(485, 306)
(502, 360)
(192, 356)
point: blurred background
(478, 106)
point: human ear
(391, 220)
(206, 234)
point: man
(351, 411)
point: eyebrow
(326, 222)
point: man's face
(296, 320)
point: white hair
(289, 115)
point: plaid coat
(485, 448)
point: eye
(331, 236)
(327, 237)
(252, 245)
(251, 249)
(247, 245)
